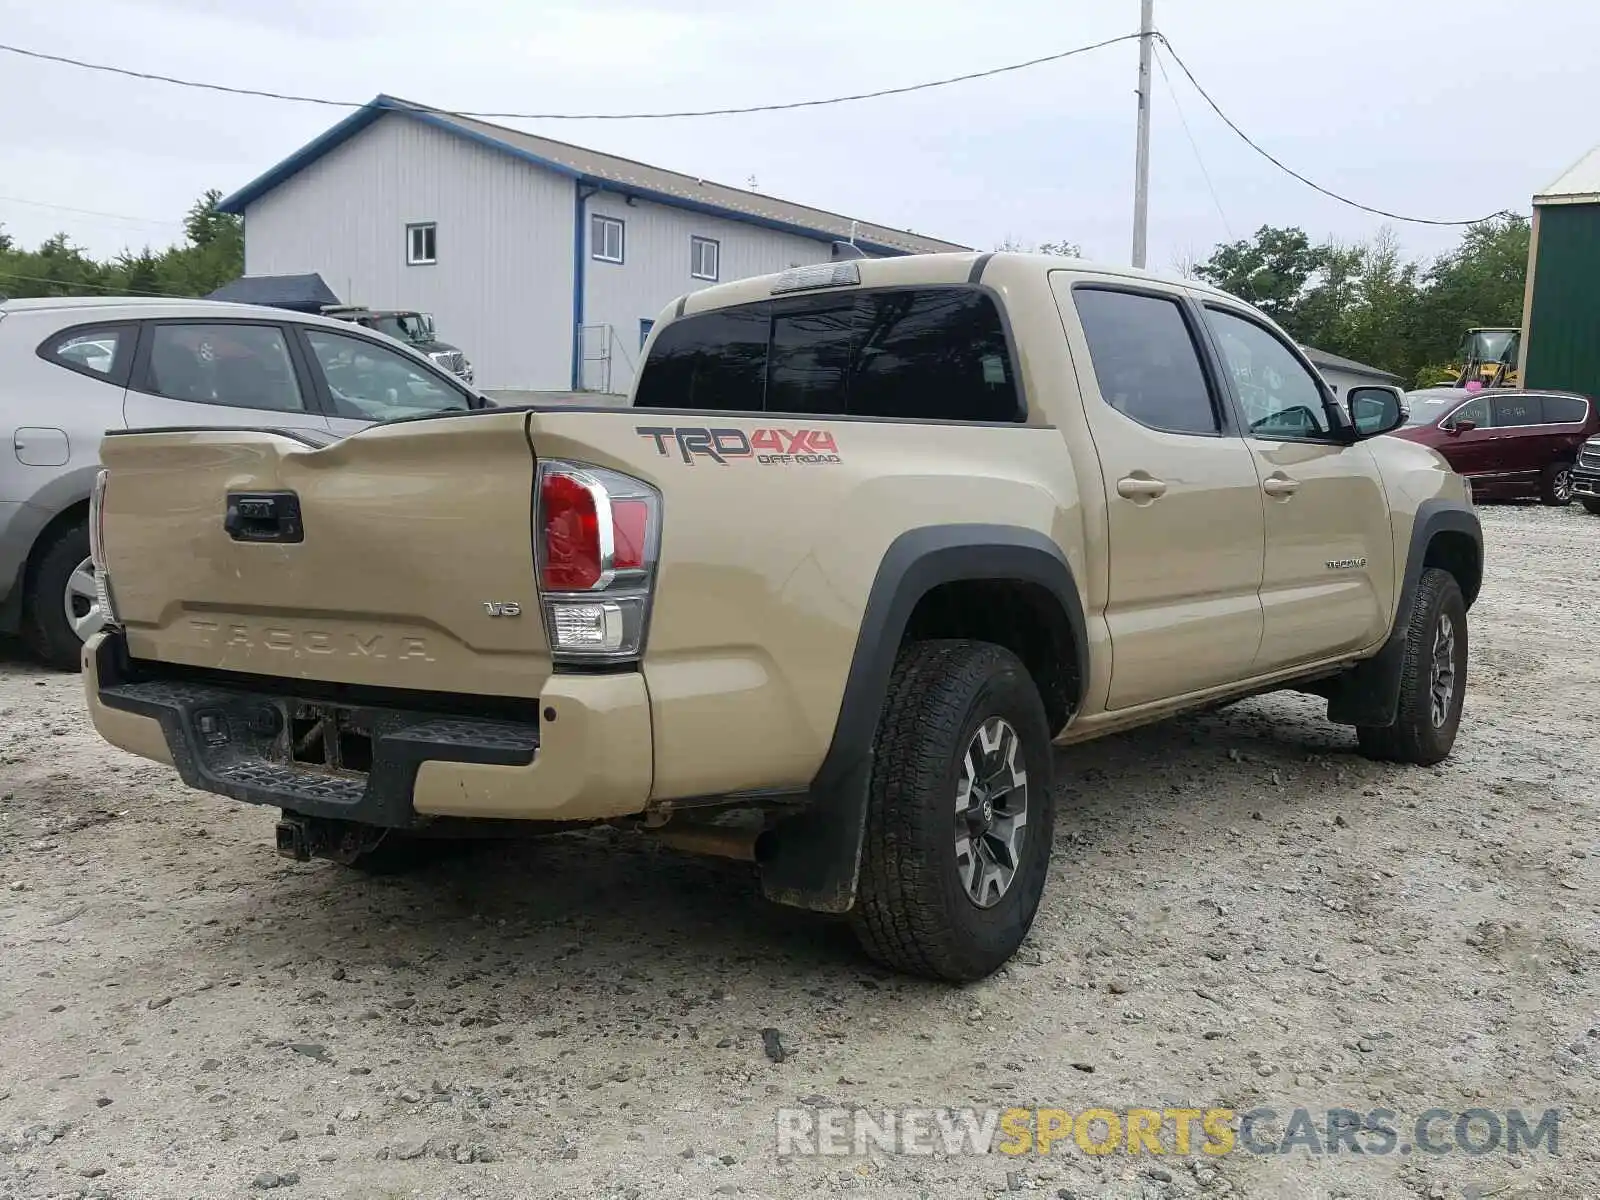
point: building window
(422, 244)
(605, 239)
(705, 257)
(645, 326)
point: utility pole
(1141, 156)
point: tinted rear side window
(1511, 411)
(1565, 410)
(916, 354)
(715, 361)
(808, 361)
(1145, 360)
(933, 354)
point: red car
(1508, 444)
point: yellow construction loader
(1489, 356)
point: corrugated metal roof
(610, 172)
(1337, 362)
(1578, 184)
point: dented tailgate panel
(408, 535)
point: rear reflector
(630, 526)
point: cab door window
(1280, 396)
(1145, 360)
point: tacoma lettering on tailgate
(214, 635)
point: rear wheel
(1433, 679)
(59, 608)
(960, 813)
(1555, 485)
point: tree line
(211, 254)
(1369, 303)
(1366, 301)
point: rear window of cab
(936, 354)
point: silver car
(73, 367)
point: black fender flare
(812, 859)
(1369, 693)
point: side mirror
(1375, 409)
(1464, 425)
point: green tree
(1480, 282)
(1272, 270)
(1369, 302)
(211, 254)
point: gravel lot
(1242, 912)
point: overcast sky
(1434, 108)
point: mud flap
(813, 859)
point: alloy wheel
(1442, 675)
(991, 812)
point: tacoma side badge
(502, 608)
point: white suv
(72, 368)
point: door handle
(1137, 487)
(1280, 485)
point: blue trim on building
(331, 139)
(378, 107)
(580, 265)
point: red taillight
(630, 527)
(597, 534)
(571, 528)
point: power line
(1244, 137)
(1200, 162)
(94, 287)
(559, 116)
(91, 212)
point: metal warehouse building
(546, 262)
(1561, 308)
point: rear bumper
(585, 754)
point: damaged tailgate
(400, 557)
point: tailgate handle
(264, 517)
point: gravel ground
(1242, 912)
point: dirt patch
(1242, 913)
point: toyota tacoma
(871, 539)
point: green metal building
(1561, 307)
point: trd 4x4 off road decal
(767, 446)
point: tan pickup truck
(873, 536)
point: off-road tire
(912, 912)
(1550, 484)
(45, 631)
(1590, 505)
(1413, 737)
